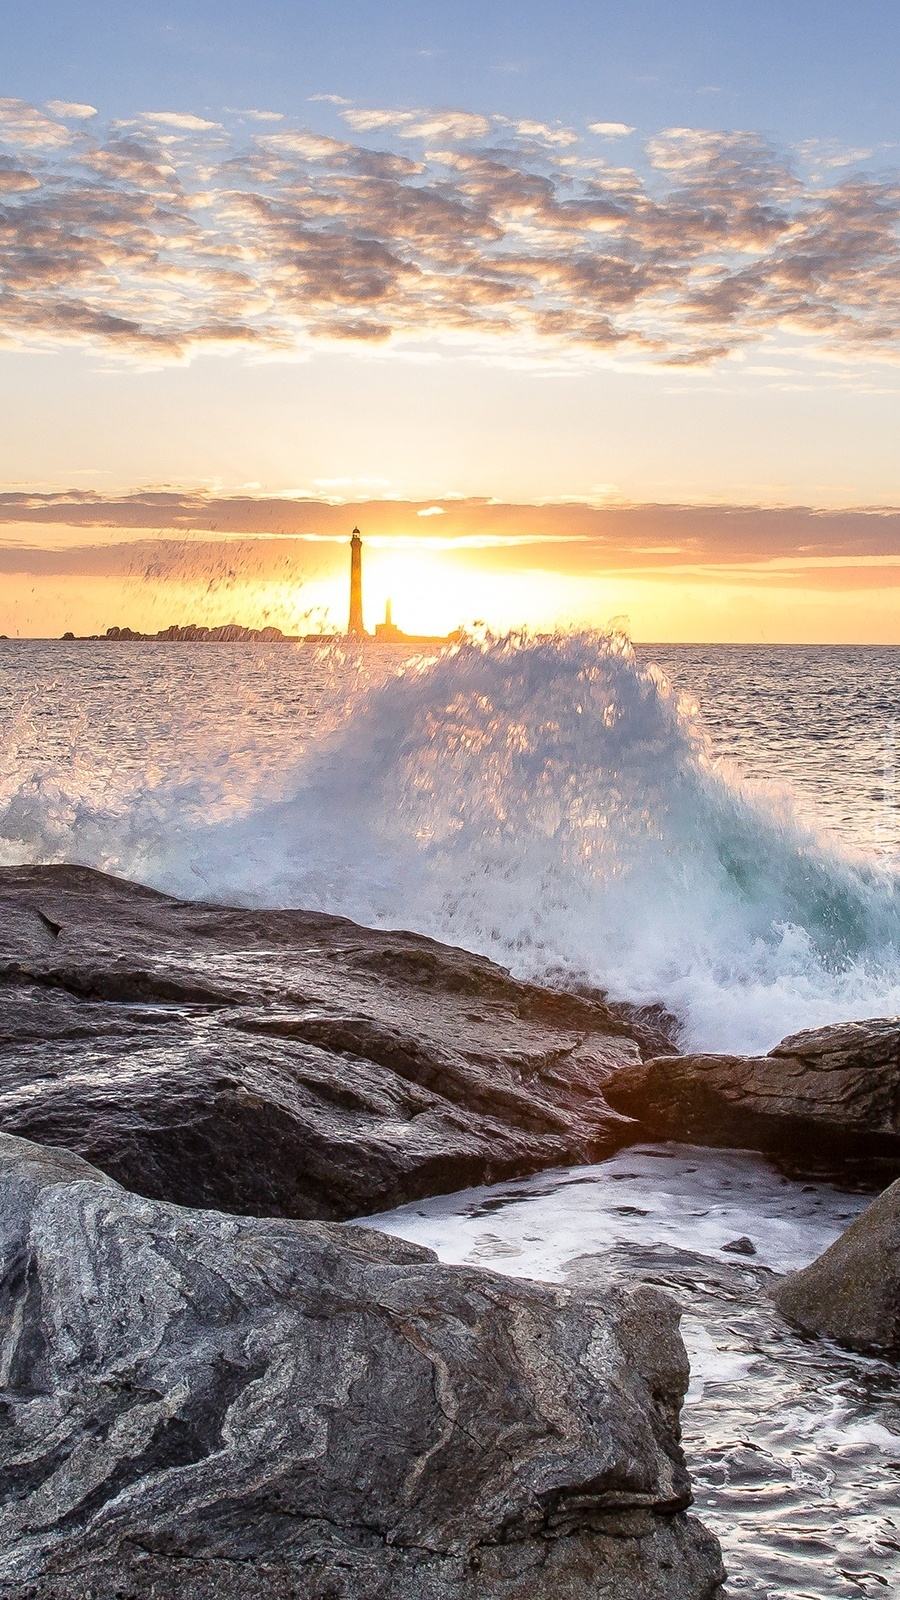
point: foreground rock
(199, 1405)
(283, 1062)
(822, 1096)
(851, 1293)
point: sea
(716, 828)
(712, 828)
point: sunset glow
(677, 572)
(643, 290)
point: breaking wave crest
(547, 801)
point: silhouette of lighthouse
(355, 629)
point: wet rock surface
(284, 1062)
(827, 1099)
(851, 1292)
(206, 1405)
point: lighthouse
(355, 629)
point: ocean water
(715, 827)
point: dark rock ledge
(286, 1063)
(215, 1407)
(827, 1100)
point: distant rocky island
(236, 633)
(193, 633)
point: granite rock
(823, 1096)
(285, 1062)
(851, 1293)
(218, 1407)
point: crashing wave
(547, 801)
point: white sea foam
(672, 1195)
(549, 802)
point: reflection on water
(793, 1445)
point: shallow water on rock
(793, 1444)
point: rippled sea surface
(823, 720)
(718, 831)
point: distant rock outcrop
(196, 633)
(227, 1408)
(851, 1293)
(287, 1063)
(827, 1094)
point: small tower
(385, 632)
(355, 629)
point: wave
(547, 801)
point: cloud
(544, 132)
(257, 116)
(185, 121)
(370, 121)
(829, 154)
(421, 124)
(301, 142)
(71, 109)
(123, 238)
(25, 126)
(610, 130)
(14, 179)
(168, 534)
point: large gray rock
(215, 1407)
(283, 1062)
(851, 1292)
(822, 1095)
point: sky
(585, 314)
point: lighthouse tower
(355, 629)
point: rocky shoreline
(823, 1101)
(286, 1063)
(215, 1384)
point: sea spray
(546, 800)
